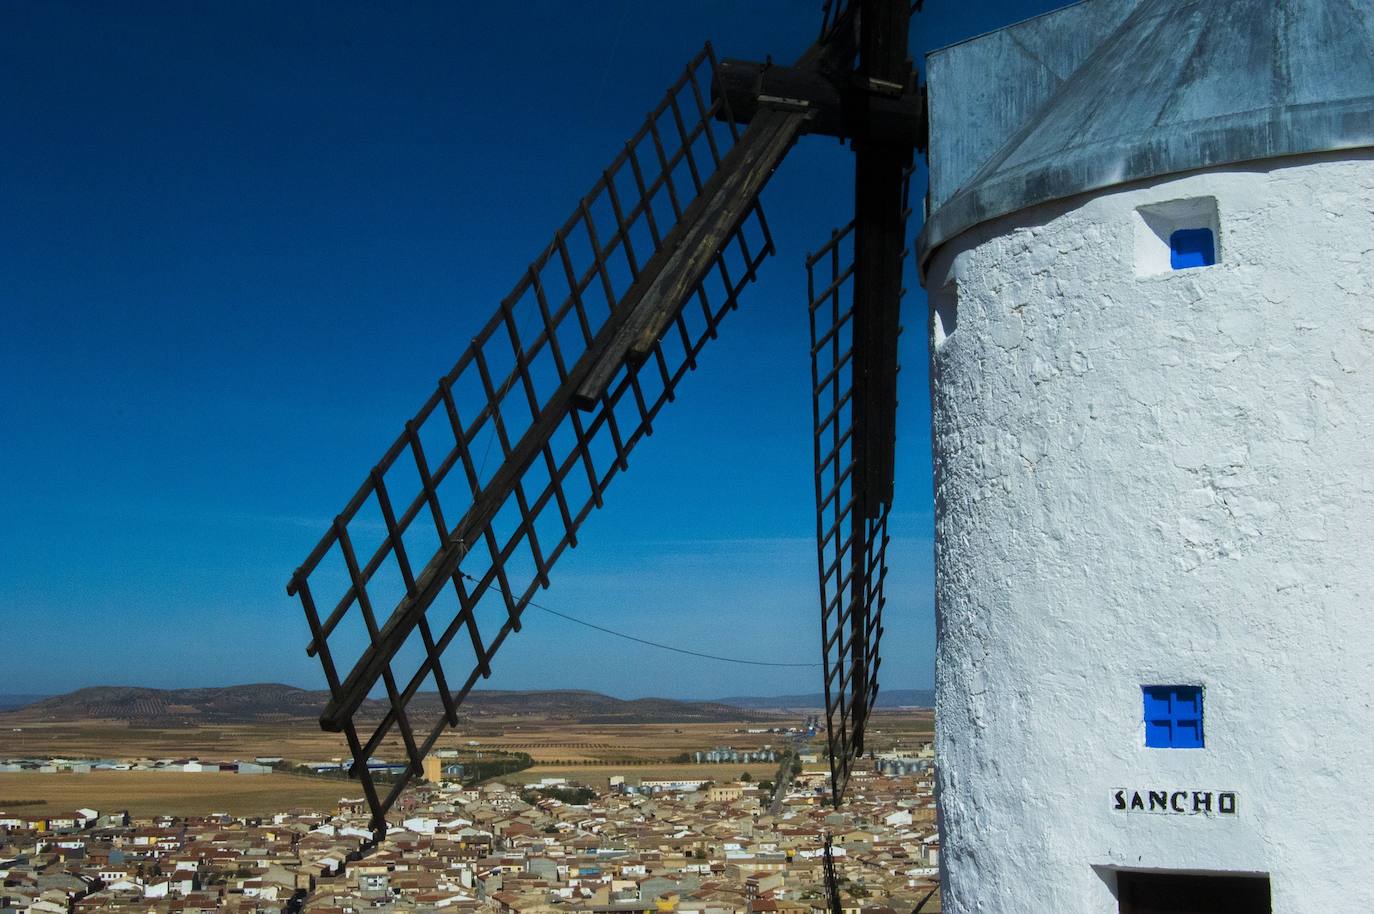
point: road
(784, 776)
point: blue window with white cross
(1173, 716)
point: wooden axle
(874, 111)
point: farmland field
(546, 741)
(302, 741)
(587, 752)
(119, 739)
(147, 793)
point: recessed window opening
(1192, 248)
(1177, 235)
(944, 314)
(1173, 716)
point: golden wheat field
(588, 753)
(147, 793)
(550, 741)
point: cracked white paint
(1155, 480)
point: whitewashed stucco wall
(1157, 480)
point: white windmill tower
(1150, 258)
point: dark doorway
(1187, 893)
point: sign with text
(1175, 802)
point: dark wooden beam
(757, 156)
(882, 118)
(879, 239)
(658, 294)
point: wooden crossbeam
(749, 86)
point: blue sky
(241, 241)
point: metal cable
(657, 644)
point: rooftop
(1106, 92)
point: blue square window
(1173, 717)
(1192, 248)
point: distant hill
(892, 698)
(594, 707)
(231, 704)
(267, 702)
(9, 702)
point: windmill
(434, 558)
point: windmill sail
(855, 311)
(834, 903)
(430, 564)
(851, 520)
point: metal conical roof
(1177, 86)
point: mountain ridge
(891, 698)
(267, 702)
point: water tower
(1150, 259)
